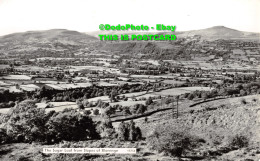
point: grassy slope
(213, 121)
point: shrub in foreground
(172, 143)
(238, 141)
(26, 123)
(71, 125)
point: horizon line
(125, 30)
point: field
(17, 77)
(4, 110)
(34, 68)
(106, 84)
(134, 94)
(29, 87)
(183, 90)
(14, 89)
(102, 98)
(146, 96)
(127, 103)
(173, 82)
(154, 62)
(57, 106)
(51, 58)
(153, 76)
(63, 86)
(2, 83)
(96, 68)
(3, 66)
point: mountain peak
(218, 27)
(221, 28)
(221, 32)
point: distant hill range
(62, 42)
(63, 35)
(213, 33)
(59, 35)
(220, 32)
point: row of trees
(26, 123)
(74, 94)
(238, 90)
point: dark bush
(238, 141)
(172, 143)
(149, 101)
(96, 112)
(3, 136)
(71, 125)
(106, 130)
(243, 101)
(26, 123)
(128, 131)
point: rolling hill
(45, 43)
(61, 41)
(213, 33)
(61, 35)
(220, 32)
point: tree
(123, 133)
(126, 111)
(71, 125)
(242, 92)
(146, 119)
(138, 133)
(26, 123)
(149, 101)
(190, 96)
(96, 112)
(112, 95)
(106, 129)
(85, 102)
(141, 109)
(80, 106)
(87, 112)
(109, 111)
(134, 132)
(173, 143)
(204, 95)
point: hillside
(47, 36)
(54, 42)
(212, 33)
(189, 45)
(220, 32)
(212, 126)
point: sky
(86, 15)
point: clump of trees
(138, 109)
(109, 111)
(171, 142)
(26, 123)
(74, 94)
(238, 141)
(7, 104)
(6, 97)
(128, 131)
(149, 101)
(231, 90)
(106, 129)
